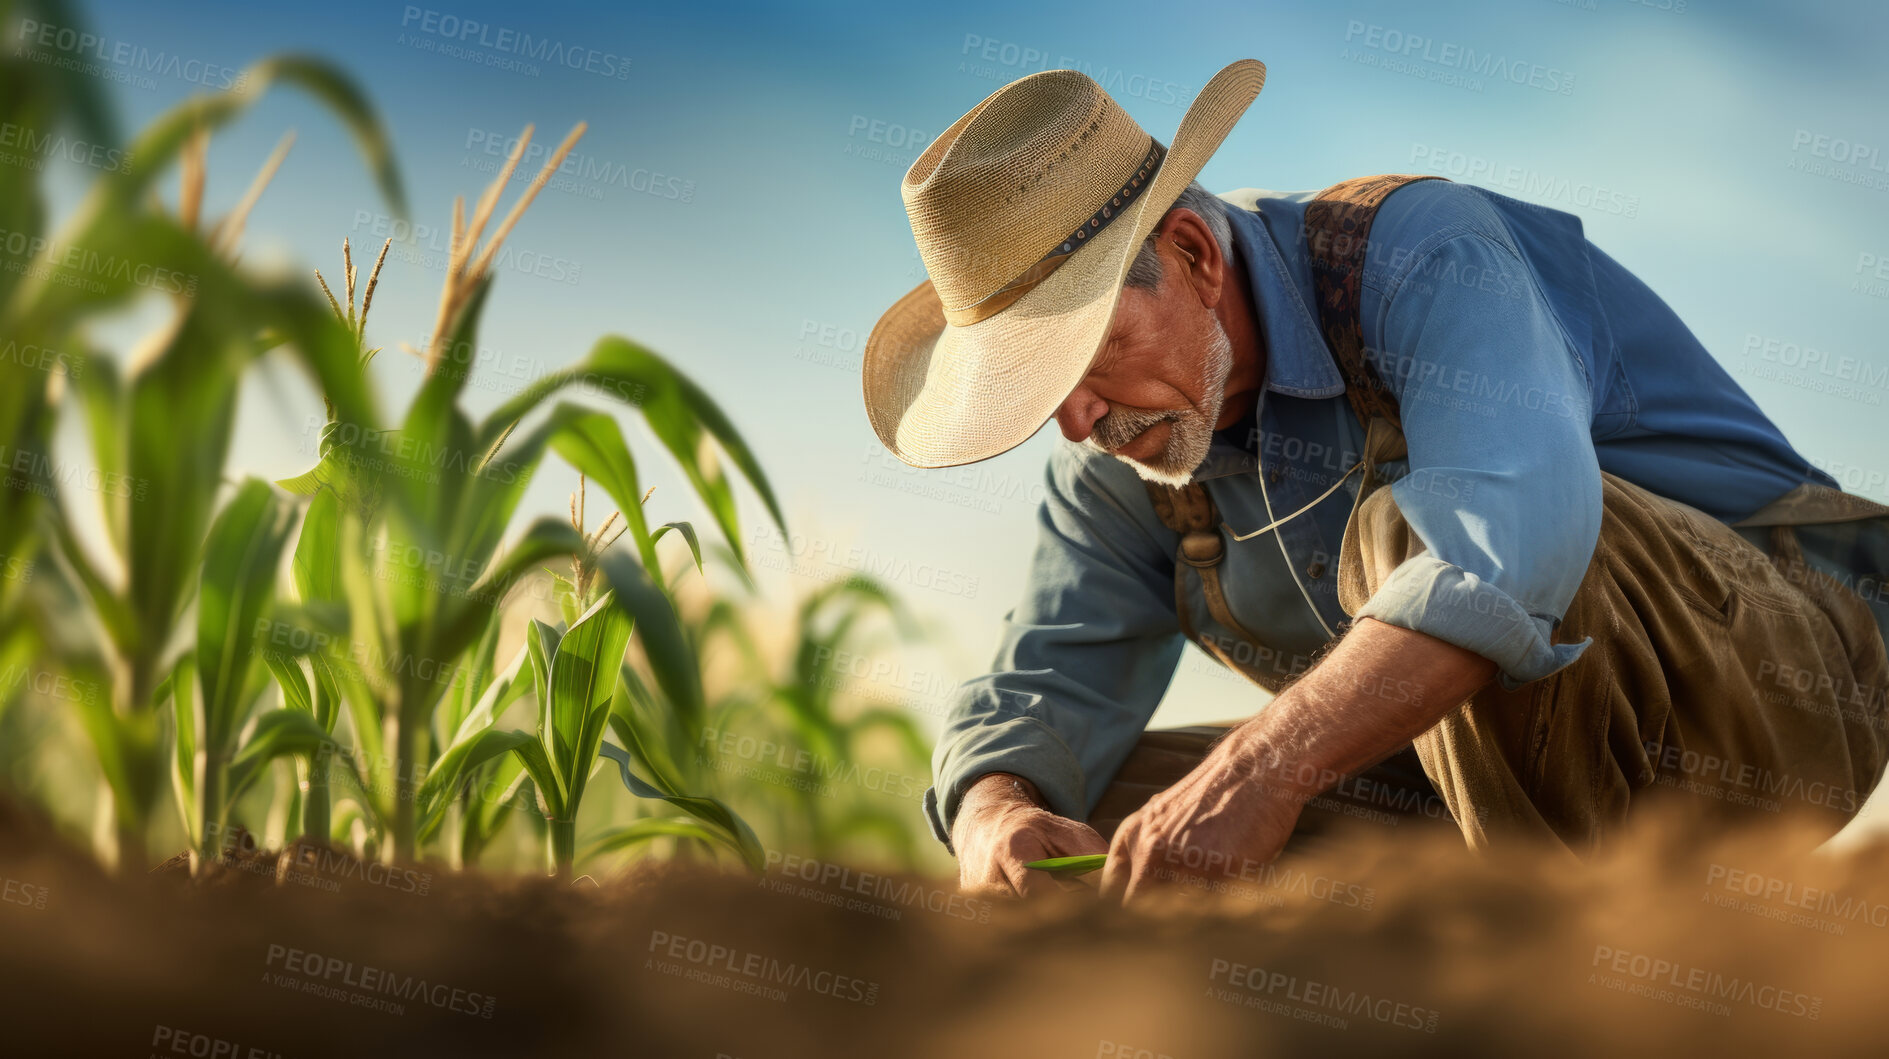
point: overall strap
(1337, 234)
(1338, 237)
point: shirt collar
(1298, 364)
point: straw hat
(1027, 212)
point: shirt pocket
(1619, 409)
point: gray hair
(1145, 273)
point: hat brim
(941, 396)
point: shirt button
(1274, 473)
(1316, 570)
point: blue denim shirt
(1525, 362)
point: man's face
(1158, 385)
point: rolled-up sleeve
(1503, 486)
(1083, 659)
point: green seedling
(1082, 865)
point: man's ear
(1188, 236)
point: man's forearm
(1000, 787)
(1380, 687)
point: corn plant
(579, 674)
(159, 429)
(219, 750)
(808, 691)
(440, 484)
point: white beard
(1192, 431)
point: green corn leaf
(671, 658)
(318, 550)
(675, 407)
(593, 444)
(709, 809)
(275, 733)
(538, 765)
(457, 354)
(114, 614)
(293, 682)
(688, 533)
(1081, 865)
(238, 583)
(583, 677)
(473, 679)
(113, 219)
(638, 721)
(541, 640)
(458, 763)
(179, 692)
(501, 792)
(640, 831)
(173, 475)
(442, 782)
(544, 539)
(102, 394)
(161, 142)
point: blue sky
(737, 208)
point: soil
(1680, 940)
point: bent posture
(1534, 535)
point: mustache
(1123, 425)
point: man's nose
(1079, 411)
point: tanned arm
(1239, 806)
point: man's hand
(1001, 826)
(1239, 806)
(1226, 818)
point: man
(1423, 432)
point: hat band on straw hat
(1131, 189)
